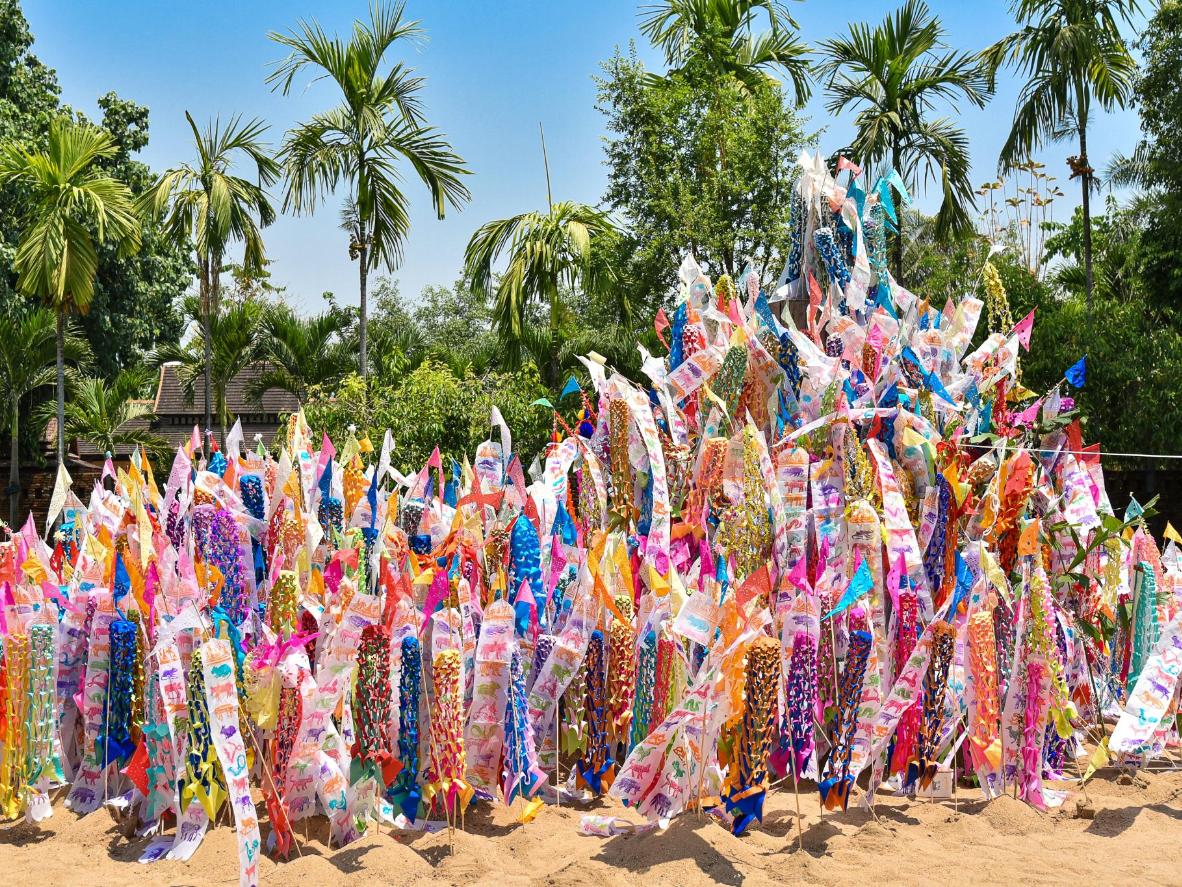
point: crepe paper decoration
(621, 673)
(525, 573)
(371, 707)
(746, 788)
(522, 776)
(447, 734)
(486, 721)
(86, 792)
(645, 692)
(836, 782)
(217, 660)
(830, 253)
(922, 766)
(1145, 630)
(202, 781)
(405, 792)
(12, 757)
(595, 769)
(115, 737)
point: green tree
(1073, 57)
(363, 141)
(300, 352)
(137, 298)
(99, 411)
(28, 353)
(895, 75)
(205, 203)
(73, 206)
(225, 345)
(547, 254)
(1152, 167)
(667, 184)
(721, 36)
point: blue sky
(494, 69)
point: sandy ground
(1132, 837)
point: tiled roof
(171, 399)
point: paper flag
(1023, 328)
(859, 585)
(1077, 373)
(1172, 534)
(61, 486)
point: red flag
(660, 324)
(1023, 328)
(136, 768)
(758, 584)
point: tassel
(922, 766)
(405, 791)
(621, 673)
(203, 778)
(447, 732)
(835, 787)
(594, 769)
(115, 738)
(521, 775)
(746, 787)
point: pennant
(1172, 534)
(57, 501)
(862, 582)
(1077, 373)
(1023, 328)
(571, 387)
(660, 324)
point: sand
(1132, 836)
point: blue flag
(571, 387)
(122, 584)
(1077, 373)
(859, 585)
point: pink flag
(436, 460)
(1028, 415)
(844, 162)
(108, 468)
(897, 572)
(194, 441)
(1023, 328)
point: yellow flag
(1172, 534)
(1099, 759)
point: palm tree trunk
(1086, 184)
(207, 309)
(61, 388)
(895, 152)
(363, 273)
(14, 467)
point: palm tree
(378, 125)
(72, 206)
(232, 346)
(895, 75)
(301, 352)
(1072, 55)
(722, 33)
(28, 352)
(206, 203)
(99, 411)
(547, 254)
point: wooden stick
(796, 794)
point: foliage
(547, 254)
(99, 411)
(432, 406)
(232, 345)
(300, 351)
(722, 35)
(667, 180)
(28, 354)
(895, 75)
(1153, 165)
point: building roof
(172, 415)
(171, 399)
